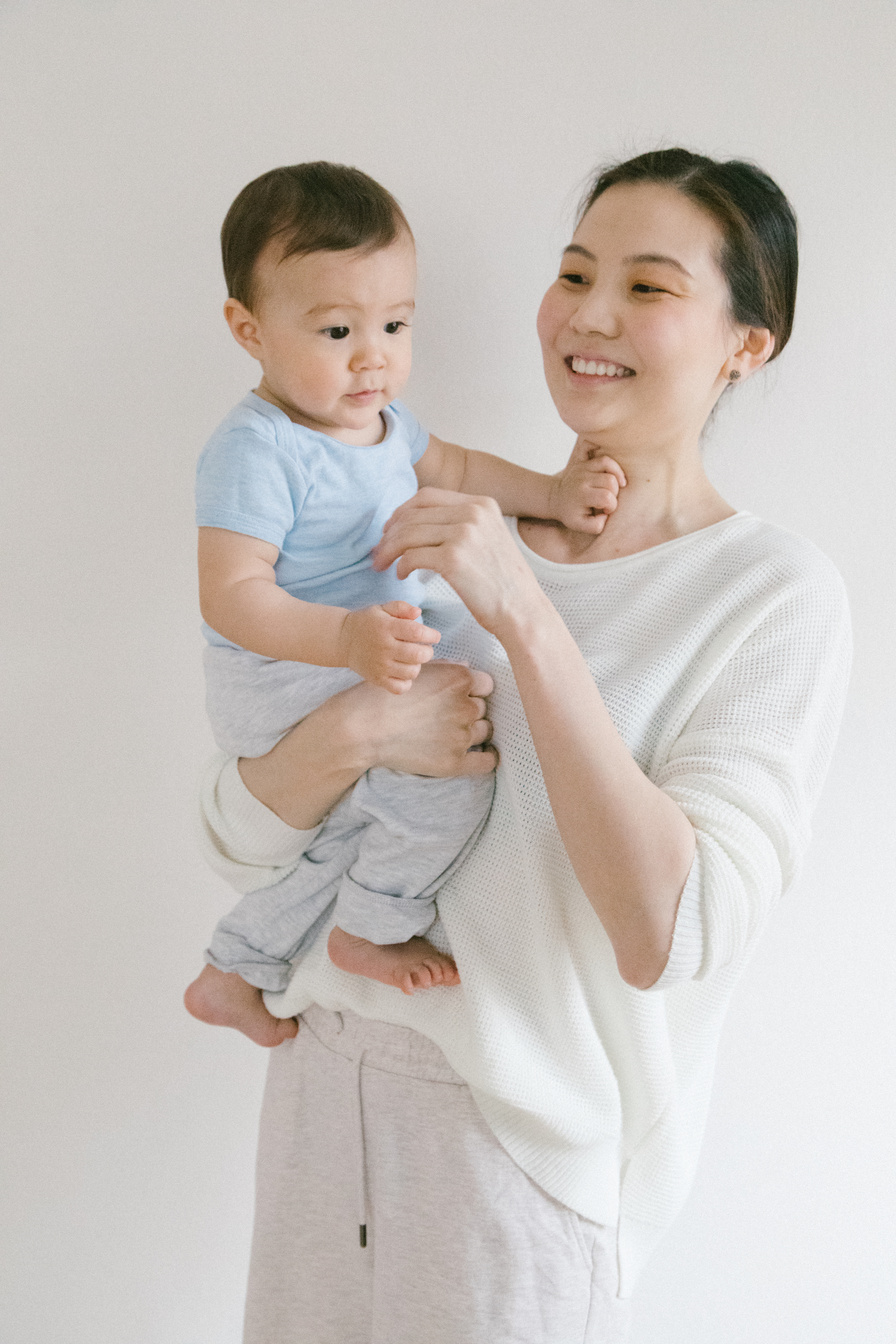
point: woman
(666, 696)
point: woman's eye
(573, 277)
(392, 327)
(647, 289)
(336, 333)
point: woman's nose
(596, 315)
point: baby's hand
(587, 492)
(387, 645)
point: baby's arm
(239, 597)
(581, 496)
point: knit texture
(722, 657)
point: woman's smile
(598, 369)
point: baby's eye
(336, 333)
(391, 328)
(647, 289)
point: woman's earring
(734, 375)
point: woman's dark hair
(759, 251)
(314, 207)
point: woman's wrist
(527, 618)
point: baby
(293, 491)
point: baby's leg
(252, 701)
(253, 946)
(418, 830)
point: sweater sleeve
(748, 767)
(242, 840)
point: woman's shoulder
(787, 557)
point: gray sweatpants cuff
(382, 919)
(261, 972)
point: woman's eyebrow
(639, 259)
(657, 258)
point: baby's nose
(369, 357)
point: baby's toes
(423, 975)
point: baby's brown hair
(314, 207)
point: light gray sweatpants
(383, 853)
(366, 1124)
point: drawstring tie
(361, 1155)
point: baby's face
(332, 331)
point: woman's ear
(244, 327)
(757, 347)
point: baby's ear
(244, 327)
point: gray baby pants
(367, 1124)
(383, 853)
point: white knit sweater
(722, 657)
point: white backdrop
(127, 128)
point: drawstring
(362, 1163)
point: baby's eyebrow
(321, 308)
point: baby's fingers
(410, 655)
(403, 610)
(607, 465)
(396, 685)
(605, 501)
(412, 632)
(591, 522)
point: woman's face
(636, 330)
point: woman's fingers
(479, 762)
(481, 685)
(433, 514)
(480, 732)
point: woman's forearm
(630, 846)
(307, 772)
(427, 731)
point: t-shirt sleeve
(416, 435)
(245, 482)
(747, 770)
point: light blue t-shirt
(323, 503)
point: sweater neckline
(571, 572)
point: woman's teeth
(601, 370)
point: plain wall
(127, 128)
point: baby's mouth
(598, 368)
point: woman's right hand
(430, 729)
(427, 731)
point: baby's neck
(365, 437)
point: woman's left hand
(465, 539)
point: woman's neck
(666, 495)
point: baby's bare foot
(224, 999)
(408, 966)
